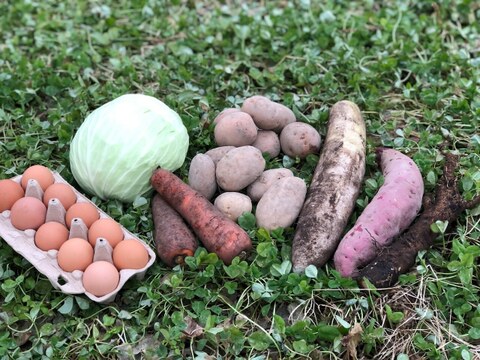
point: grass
(412, 67)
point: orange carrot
(216, 231)
(174, 240)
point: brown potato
(233, 204)
(217, 153)
(239, 168)
(281, 203)
(267, 114)
(256, 189)
(201, 175)
(267, 141)
(235, 129)
(224, 112)
(300, 139)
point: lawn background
(412, 67)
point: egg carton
(46, 261)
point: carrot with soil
(215, 230)
(399, 257)
(390, 212)
(334, 188)
(174, 240)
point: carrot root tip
(180, 258)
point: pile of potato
(235, 169)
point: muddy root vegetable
(174, 240)
(390, 212)
(399, 257)
(215, 230)
(334, 188)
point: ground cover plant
(412, 68)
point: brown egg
(10, 192)
(100, 278)
(63, 192)
(50, 236)
(105, 228)
(40, 173)
(84, 210)
(28, 213)
(75, 254)
(130, 254)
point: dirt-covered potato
(235, 129)
(267, 141)
(256, 189)
(300, 139)
(239, 168)
(224, 112)
(281, 203)
(201, 175)
(267, 114)
(217, 153)
(233, 204)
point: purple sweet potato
(445, 204)
(390, 212)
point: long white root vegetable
(334, 188)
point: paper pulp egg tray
(46, 261)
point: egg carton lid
(46, 262)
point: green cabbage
(120, 144)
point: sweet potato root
(398, 257)
(390, 212)
(335, 186)
(215, 230)
(174, 240)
